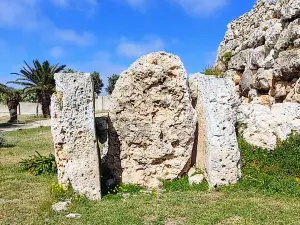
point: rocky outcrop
(263, 126)
(73, 131)
(217, 148)
(262, 48)
(153, 121)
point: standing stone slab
(152, 116)
(73, 131)
(217, 151)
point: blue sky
(108, 35)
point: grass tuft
(271, 172)
(182, 184)
(213, 71)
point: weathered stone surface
(240, 60)
(234, 75)
(264, 39)
(217, 151)
(272, 34)
(257, 57)
(287, 64)
(154, 121)
(252, 94)
(287, 36)
(61, 206)
(246, 82)
(294, 92)
(264, 79)
(73, 131)
(291, 10)
(196, 179)
(262, 126)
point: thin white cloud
(81, 5)
(138, 48)
(56, 52)
(18, 13)
(71, 36)
(61, 3)
(66, 3)
(201, 7)
(192, 7)
(28, 15)
(139, 4)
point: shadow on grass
(7, 146)
(9, 125)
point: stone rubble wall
(217, 151)
(153, 120)
(73, 131)
(263, 126)
(261, 52)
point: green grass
(271, 172)
(27, 199)
(183, 185)
(227, 57)
(212, 71)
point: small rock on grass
(126, 195)
(73, 216)
(196, 179)
(61, 206)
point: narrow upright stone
(217, 151)
(73, 131)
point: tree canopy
(98, 84)
(39, 79)
(111, 83)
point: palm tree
(40, 80)
(11, 98)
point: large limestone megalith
(152, 117)
(73, 130)
(217, 151)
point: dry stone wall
(261, 52)
(73, 131)
(217, 151)
(153, 119)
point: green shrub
(210, 70)
(265, 28)
(38, 164)
(226, 57)
(182, 184)
(271, 172)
